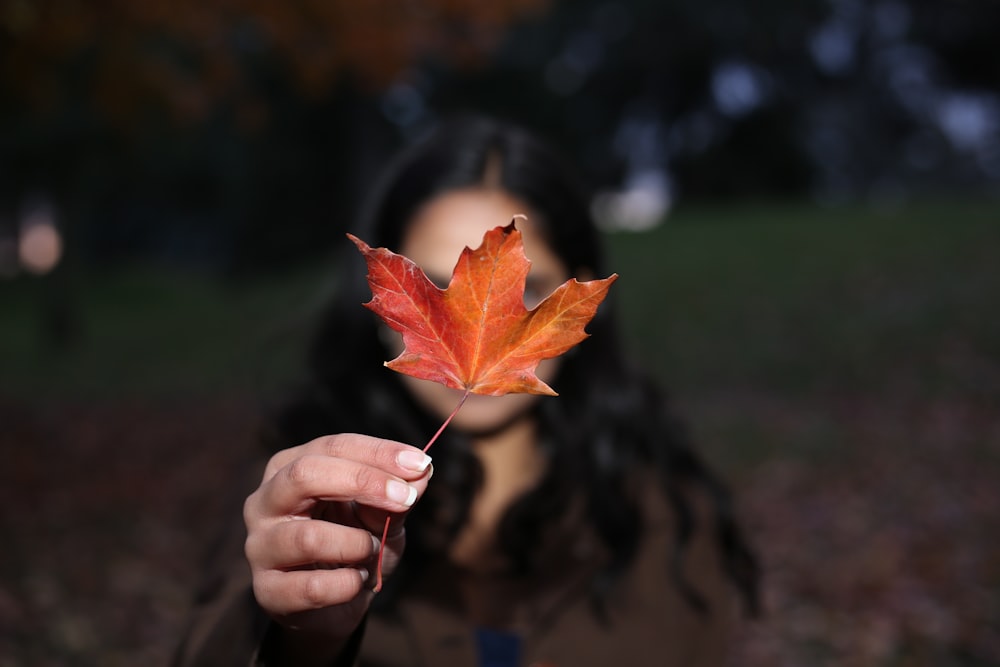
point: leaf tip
(362, 246)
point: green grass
(155, 333)
(797, 299)
(761, 298)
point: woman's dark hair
(608, 422)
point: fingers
(394, 457)
(292, 592)
(296, 543)
(295, 488)
(313, 523)
(378, 473)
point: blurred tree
(238, 132)
(164, 118)
(186, 57)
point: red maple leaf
(477, 335)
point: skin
(313, 524)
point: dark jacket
(646, 620)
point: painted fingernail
(412, 459)
(400, 492)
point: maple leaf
(477, 335)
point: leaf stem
(388, 517)
(447, 421)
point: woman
(572, 530)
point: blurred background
(801, 197)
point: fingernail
(400, 492)
(376, 545)
(414, 460)
(363, 571)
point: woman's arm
(313, 528)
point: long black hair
(608, 421)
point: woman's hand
(313, 530)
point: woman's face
(434, 239)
